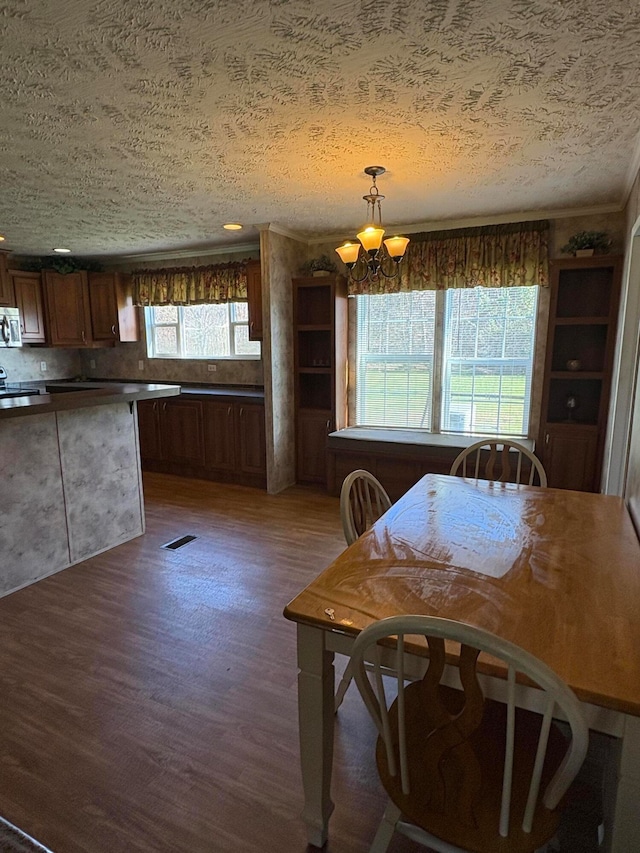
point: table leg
(622, 792)
(315, 719)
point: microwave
(10, 328)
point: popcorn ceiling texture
(131, 126)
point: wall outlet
(212, 368)
(43, 367)
(92, 363)
(140, 364)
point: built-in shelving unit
(577, 382)
(320, 338)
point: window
(200, 331)
(449, 361)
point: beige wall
(281, 259)
(626, 442)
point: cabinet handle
(155, 406)
(328, 427)
(229, 412)
(84, 337)
(241, 411)
(546, 438)
(113, 329)
(164, 407)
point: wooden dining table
(554, 571)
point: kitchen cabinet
(149, 430)
(67, 307)
(251, 444)
(182, 431)
(113, 314)
(254, 300)
(219, 436)
(7, 295)
(579, 362)
(320, 349)
(27, 287)
(206, 437)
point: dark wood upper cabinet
(113, 315)
(67, 308)
(28, 291)
(254, 299)
(7, 295)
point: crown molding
(632, 171)
(497, 219)
(205, 252)
(280, 229)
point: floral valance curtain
(191, 285)
(492, 256)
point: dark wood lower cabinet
(569, 454)
(311, 449)
(182, 431)
(221, 440)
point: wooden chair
(464, 773)
(363, 500)
(491, 459)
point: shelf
(314, 327)
(572, 424)
(581, 321)
(314, 370)
(576, 374)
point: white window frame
(438, 375)
(150, 326)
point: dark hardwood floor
(148, 697)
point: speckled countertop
(79, 395)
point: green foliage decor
(599, 241)
(59, 264)
(324, 262)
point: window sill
(417, 437)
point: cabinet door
(149, 429)
(569, 457)
(254, 299)
(104, 311)
(67, 304)
(313, 427)
(28, 290)
(182, 433)
(7, 296)
(251, 444)
(219, 436)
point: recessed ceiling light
(62, 251)
(233, 226)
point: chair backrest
(496, 460)
(421, 720)
(362, 501)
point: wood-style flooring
(148, 697)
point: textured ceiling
(141, 125)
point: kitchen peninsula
(72, 485)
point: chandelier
(372, 258)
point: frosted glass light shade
(348, 253)
(396, 246)
(371, 238)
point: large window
(200, 331)
(449, 361)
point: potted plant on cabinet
(319, 266)
(586, 243)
